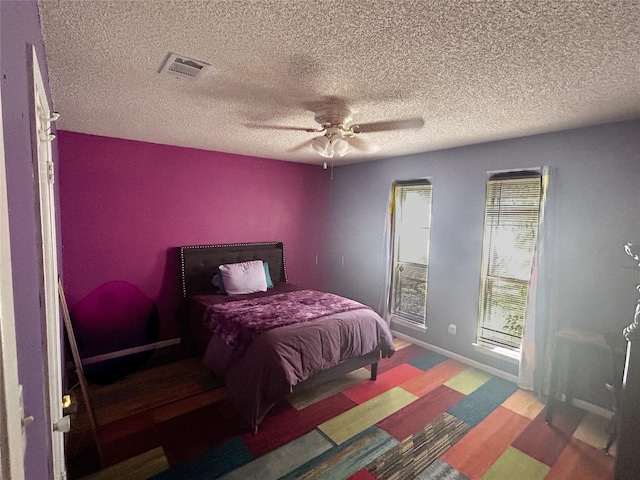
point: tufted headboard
(198, 263)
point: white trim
(511, 356)
(130, 351)
(408, 324)
(472, 363)
(589, 407)
(11, 435)
(41, 120)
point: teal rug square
(210, 465)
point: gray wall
(597, 212)
(20, 26)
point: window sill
(505, 354)
(408, 324)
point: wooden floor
(130, 405)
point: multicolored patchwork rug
(425, 417)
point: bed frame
(200, 262)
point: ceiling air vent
(183, 67)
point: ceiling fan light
(340, 146)
(323, 146)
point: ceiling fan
(338, 130)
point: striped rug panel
(434, 377)
(545, 442)
(415, 453)
(289, 423)
(413, 417)
(481, 402)
(345, 460)
(467, 381)
(440, 470)
(513, 464)
(364, 391)
(485, 443)
(350, 423)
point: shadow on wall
(113, 317)
(169, 298)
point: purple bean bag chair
(113, 317)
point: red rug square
(434, 377)
(545, 442)
(416, 415)
(362, 475)
(404, 355)
(364, 391)
(286, 423)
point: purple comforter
(265, 370)
(239, 323)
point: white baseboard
(472, 363)
(130, 351)
(589, 407)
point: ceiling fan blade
(415, 122)
(360, 144)
(281, 127)
(301, 146)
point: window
(510, 230)
(411, 234)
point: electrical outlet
(452, 329)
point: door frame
(41, 137)
(11, 434)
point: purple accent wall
(20, 26)
(127, 205)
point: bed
(266, 344)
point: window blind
(511, 227)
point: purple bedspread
(239, 323)
(280, 358)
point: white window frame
(495, 346)
(405, 318)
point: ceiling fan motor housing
(333, 116)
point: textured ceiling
(474, 70)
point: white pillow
(245, 277)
